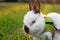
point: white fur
(57, 36)
(48, 34)
(56, 20)
(36, 28)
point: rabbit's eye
(33, 22)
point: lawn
(11, 19)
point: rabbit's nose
(26, 29)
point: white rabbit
(34, 22)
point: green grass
(11, 20)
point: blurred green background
(11, 19)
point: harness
(49, 26)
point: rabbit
(34, 22)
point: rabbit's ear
(31, 4)
(34, 5)
(37, 6)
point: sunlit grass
(47, 9)
(11, 21)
